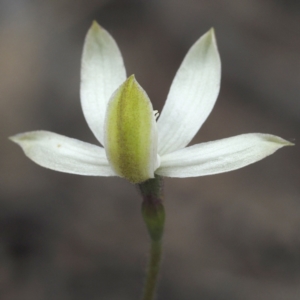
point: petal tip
(95, 30)
(212, 32)
(131, 78)
(211, 36)
(132, 82)
(13, 138)
(95, 26)
(280, 141)
(23, 139)
(17, 138)
(287, 143)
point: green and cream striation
(130, 135)
(120, 114)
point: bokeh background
(233, 236)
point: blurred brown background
(233, 236)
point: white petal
(102, 72)
(60, 153)
(220, 156)
(192, 95)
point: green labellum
(130, 140)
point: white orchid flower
(120, 114)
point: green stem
(154, 216)
(153, 270)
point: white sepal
(220, 156)
(64, 154)
(192, 95)
(102, 72)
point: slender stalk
(153, 270)
(154, 216)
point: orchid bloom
(120, 114)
